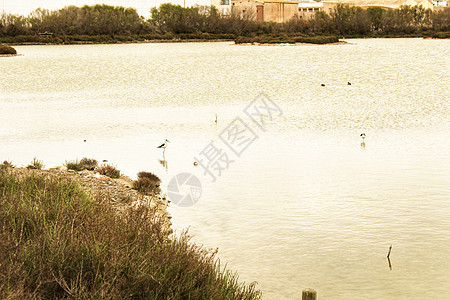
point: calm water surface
(305, 205)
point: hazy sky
(24, 7)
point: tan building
(278, 11)
(245, 8)
(307, 9)
(328, 6)
(223, 6)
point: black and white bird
(163, 145)
(349, 83)
(363, 136)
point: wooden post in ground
(309, 294)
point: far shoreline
(107, 40)
(10, 55)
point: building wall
(264, 10)
(279, 12)
(245, 9)
(328, 6)
(223, 6)
(308, 12)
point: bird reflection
(164, 163)
(389, 262)
(363, 144)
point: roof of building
(277, 1)
(310, 4)
(265, 1)
(385, 3)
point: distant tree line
(173, 21)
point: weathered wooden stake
(389, 253)
(309, 294)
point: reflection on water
(389, 258)
(363, 143)
(164, 164)
(304, 206)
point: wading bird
(163, 145)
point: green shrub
(108, 170)
(441, 35)
(285, 39)
(36, 164)
(243, 40)
(58, 243)
(317, 39)
(5, 49)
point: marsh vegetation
(59, 242)
(168, 22)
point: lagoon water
(304, 206)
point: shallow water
(304, 206)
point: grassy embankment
(108, 39)
(328, 38)
(7, 50)
(201, 37)
(56, 241)
(286, 39)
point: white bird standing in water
(363, 144)
(164, 145)
(363, 136)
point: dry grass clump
(108, 170)
(150, 176)
(73, 165)
(7, 164)
(84, 164)
(58, 243)
(146, 186)
(147, 183)
(88, 163)
(36, 164)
